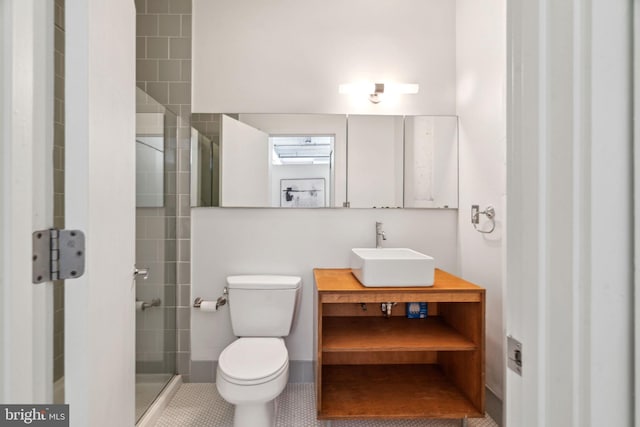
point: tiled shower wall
(163, 70)
(58, 183)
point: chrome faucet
(379, 235)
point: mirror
(430, 162)
(152, 127)
(205, 159)
(269, 160)
(324, 160)
(375, 161)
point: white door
(569, 192)
(244, 165)
(26, 198)
(100, 200)
(100, 182)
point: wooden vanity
(370, 366)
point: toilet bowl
(251, 373)
(254, 369)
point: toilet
(254, 369)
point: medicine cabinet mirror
(154, 126)
(324, 160)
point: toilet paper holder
(222, 300)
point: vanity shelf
(370, 366)
(393, 334)
(392, 391)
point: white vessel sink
(392, 267)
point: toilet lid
(248, 359)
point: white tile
(201, 405)
(197, 405)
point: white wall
(289, 56)
(294, 242)
(481, 78)
(610, 259)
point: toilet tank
(264, 305)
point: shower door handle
(141, 272)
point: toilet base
(255, 414)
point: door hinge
(57, 255)
(514, 355)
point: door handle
(141, 272)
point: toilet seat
(252, 361)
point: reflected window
(301, 171)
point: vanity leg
(464, 422)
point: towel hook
(490, 213)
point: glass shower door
(156, 202)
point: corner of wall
(481, 107)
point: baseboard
(203, 371)
(301, 371)
(493, 406)
(150, 418)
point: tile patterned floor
(148, 387)
(200, 405)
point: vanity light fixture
(377, 90)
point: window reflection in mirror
(301, 170)
(269, 160)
